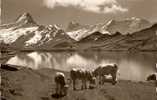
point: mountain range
(128, 34)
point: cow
(153, 77)
(83, 75)
(105, 71)
(61, 87)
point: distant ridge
(131, 34)
(127, 26)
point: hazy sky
(84, 11)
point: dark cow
(105, 71)
(153, 77)
(60, 84)
(80, 74)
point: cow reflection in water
(84, 76)
(106, 72)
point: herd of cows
(108, 73)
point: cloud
(97, 6)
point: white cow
(61, 87)
(106, 72)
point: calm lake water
(135, 67)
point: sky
(61, 12)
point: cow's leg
(100, 80)
(82, 86)
(62, 89)
(74, 82)
(156, 86)
(85, 84)
(156, 90)
(114, 78)
(57, 88)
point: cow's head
(115, 66)
(97, 71)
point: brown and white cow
(83, 75)
(106, 71)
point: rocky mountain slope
(126, 26)
(87, 30)
(144, 40)
(129, 34)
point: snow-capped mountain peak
(24, 33)
(23, 21)
(25, 18)
(44, 34)
(73, 26)
(133, 18)
(110, 22)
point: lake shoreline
(76, 50)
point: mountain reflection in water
(132, 66)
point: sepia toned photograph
(78, 49)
